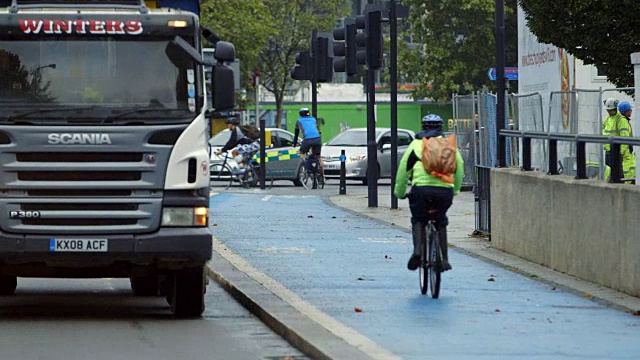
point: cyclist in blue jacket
(312, 141)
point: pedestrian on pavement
(618, 125)
(629, 162)
(427, 191)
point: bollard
(343, 173)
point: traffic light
(304, 68)
(339, 50)
(350, 58)
(345, 46)
(324, 61)
(370, 47)
(375, 49)
(361, 40)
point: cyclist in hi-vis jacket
(425, 189)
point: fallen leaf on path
(491, 279)
(553, 288)
(497, 310)
(533, 276)
(309, 216)
(587, 295)
(636, 313)
(393, 224)
(333, 217)
(215, 224)
(358, 310)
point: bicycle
(247, 178)
(223, 172)
(315, 174)
(431, 260)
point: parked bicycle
(431, 260)
(313, 176)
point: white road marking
(288, 250)
(266, 198)
(384, 240)
(351, 336)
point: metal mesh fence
(464, 113)
(563, 119)
(527, 114)
(589, 122)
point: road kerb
(304, 326)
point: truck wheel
(187, 298)
(8, 285)
(145, 285)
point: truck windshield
(110, 76)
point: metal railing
(580, 142)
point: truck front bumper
(166, 248)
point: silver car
(354, 142)
(283, 160)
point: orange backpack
(439, 157)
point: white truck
(104, 160)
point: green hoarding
(335, 117)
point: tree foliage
(268, 33)
(294, 21)
(603, 33)
(457, 48)
(245, 23)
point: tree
(457, 45)
(603, 33)
(293, 20)
(245, 23)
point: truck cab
(103, 144)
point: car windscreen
(114, 75)
(351, 138)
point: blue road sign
(343, 158)
(510, 73)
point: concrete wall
(585, 228)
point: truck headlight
(185, 216)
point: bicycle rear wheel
(221, 175)
(424, 268)
(435, 261)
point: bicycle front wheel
(220, 175)
(435, 261)
(305, 180)
(424, 268)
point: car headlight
(357, 157)
(185, 216)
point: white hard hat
(611, 104)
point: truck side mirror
(223, 88)
(225, 52)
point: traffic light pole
(372, 151)
(500, 60)
(314, 80)
(393, 23)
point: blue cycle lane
(338, 261)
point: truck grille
(82, 215)
(83, 192)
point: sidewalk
(349, 274)
(462, 225)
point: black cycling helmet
(305, 112)
(232, 120)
